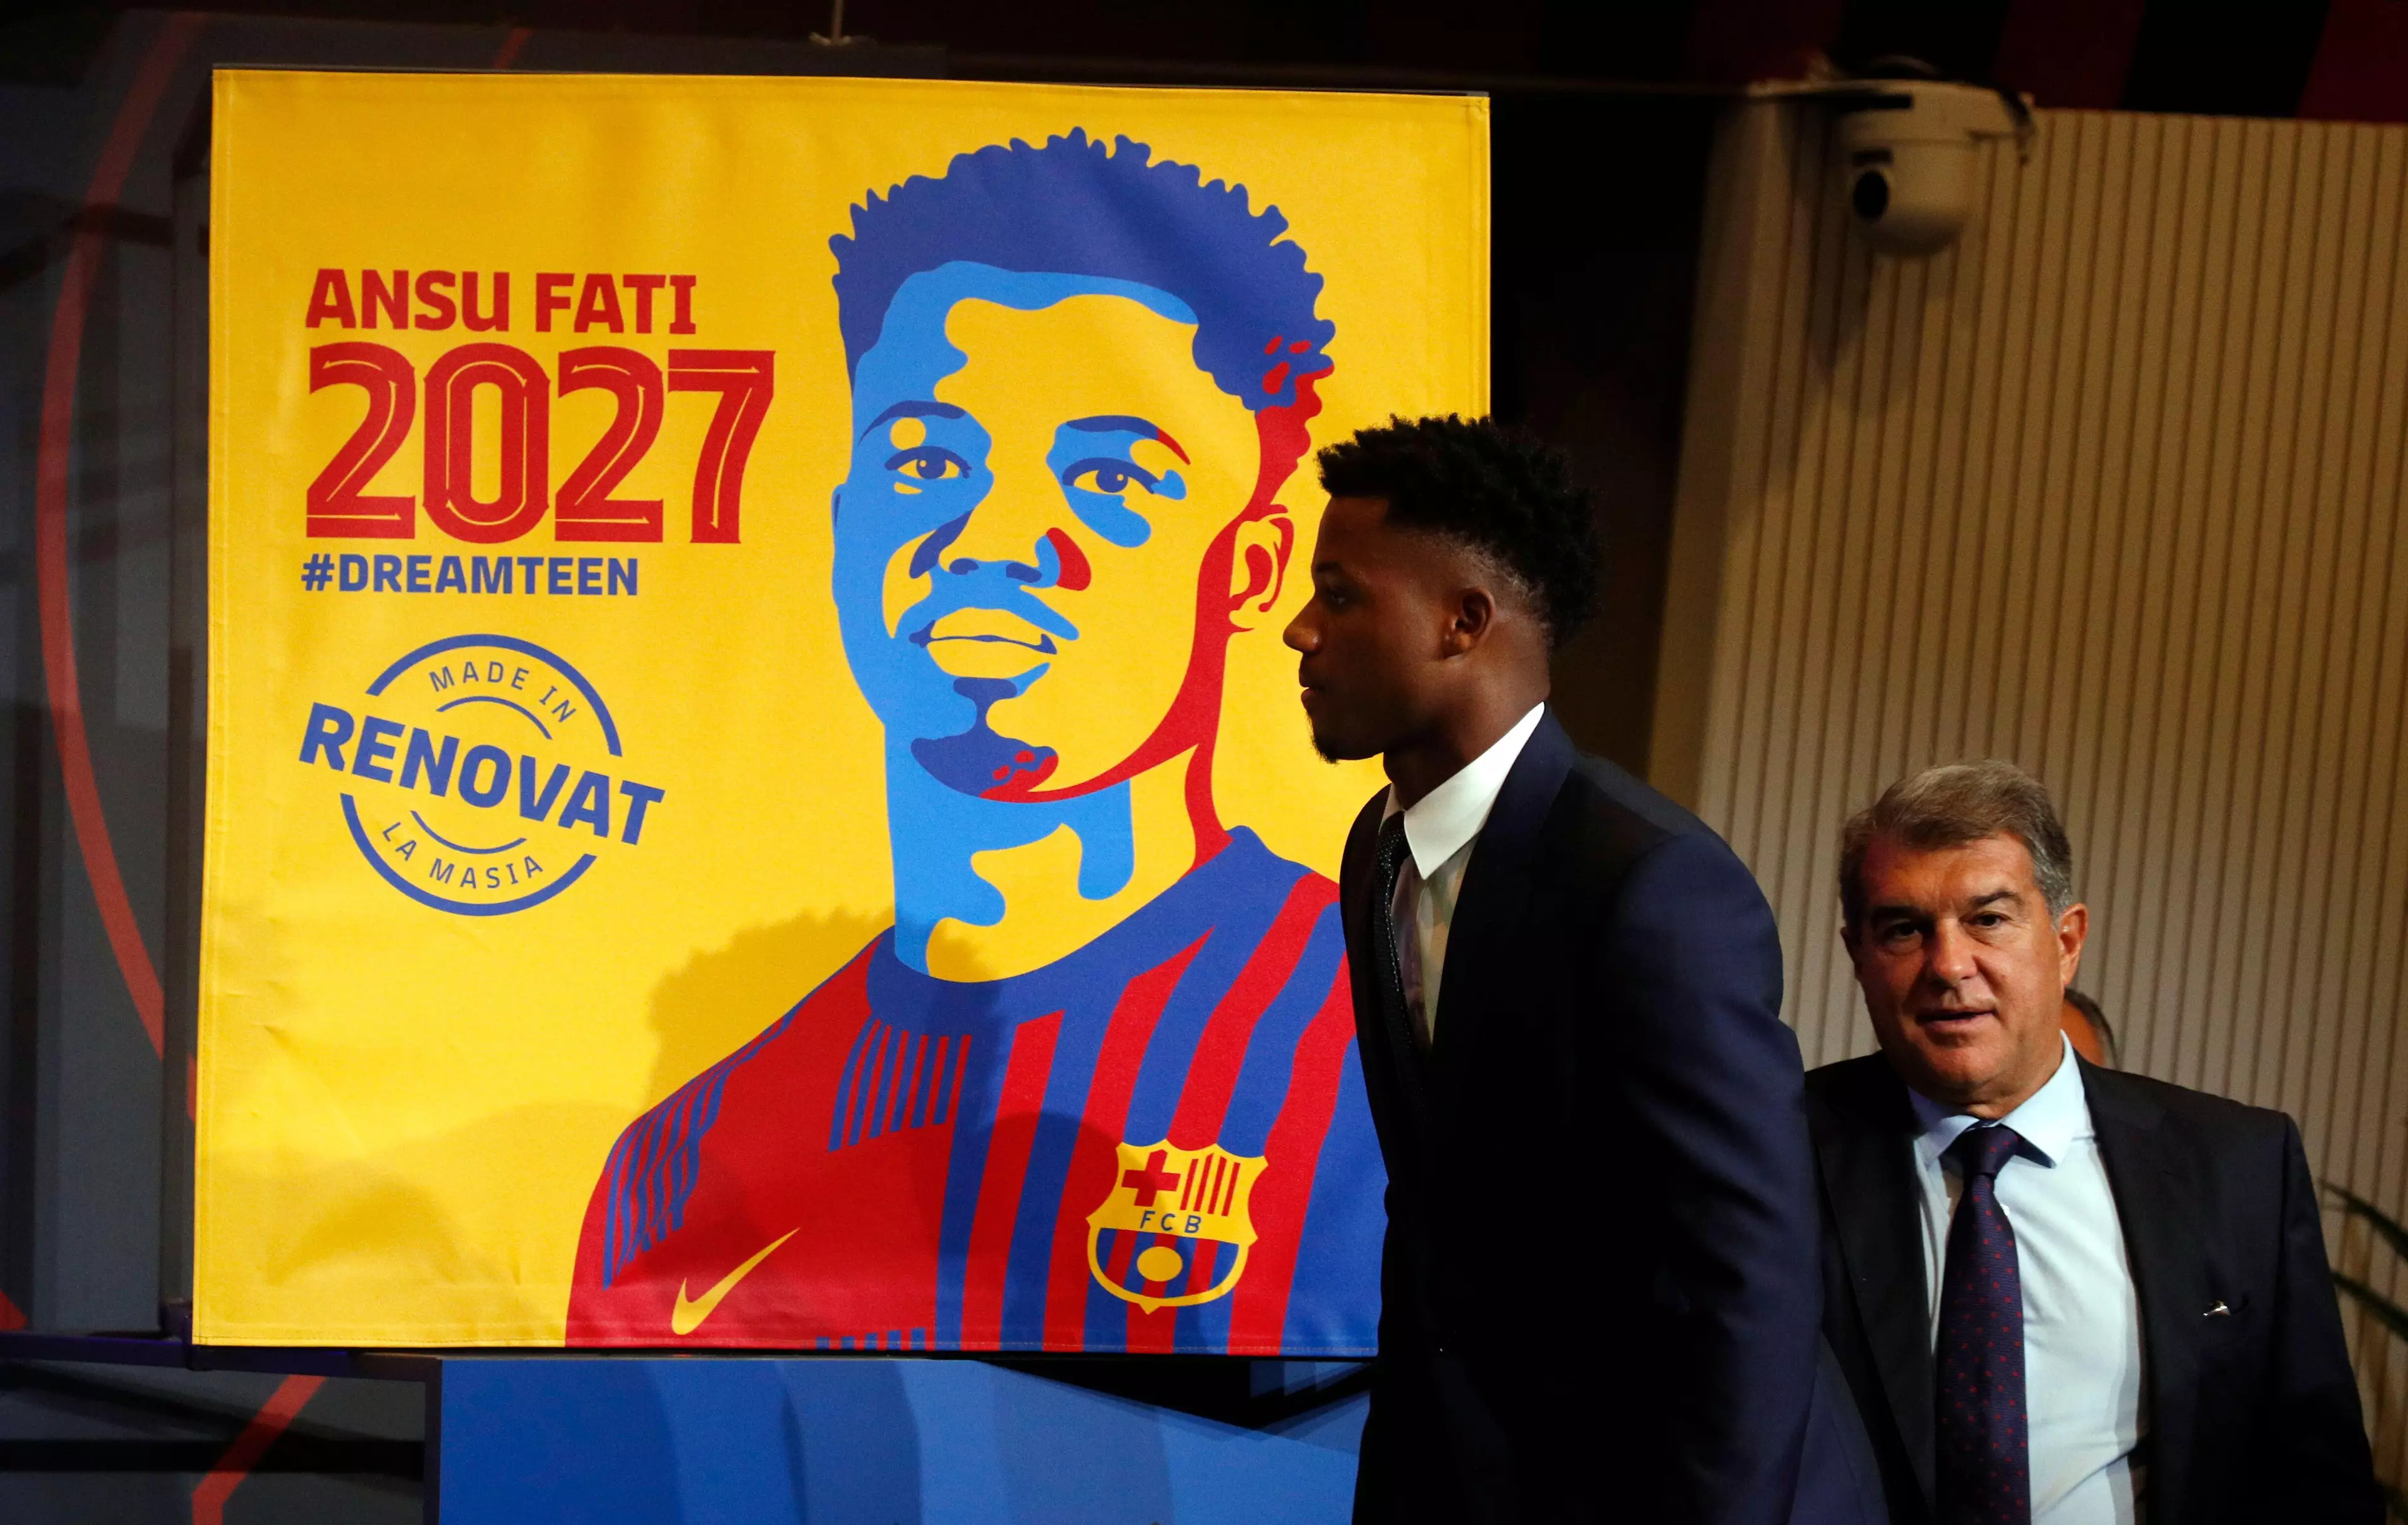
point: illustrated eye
(1108, 476)
(929, 464)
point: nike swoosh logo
(685, 1318)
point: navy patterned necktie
(1983, 1431)
(1393, 849)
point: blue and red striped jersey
(1160, 1143)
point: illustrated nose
(1007, 528)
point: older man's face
(1964, 970)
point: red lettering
(598, 303)
(330, 297)
(526, 443)
(336, 501)
(549, 298)
(682, 286)
(500, 317)
(585, 510)
(440, 311)
(643, 286)
(393, 299)
(745, 380)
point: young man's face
(1370, 645)
(1038, 471)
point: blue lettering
(1194, 1222)
(437, 764)
(329, 728)
(589, 576)
(377, 737)
(354, 572)
(530, 806)
(556, 575)
(489, 574)
(388, 574)
(641, 797)
(488, 792)
(421, 568)
(449, 577)
(622, 574)
(589, 805)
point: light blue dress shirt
(2082, 1317)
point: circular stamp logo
(482, 775)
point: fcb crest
(1175, 1230)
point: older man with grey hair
(2063, 1295)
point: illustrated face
(1964, 970)
(1038, 471)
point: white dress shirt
(1440, 830)
(2082, 1317)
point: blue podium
(864, 1441)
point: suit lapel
(1869, 1165)
(1389, 1060)
(2156, 1200)
(1491, 908)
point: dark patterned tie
(1983, 1431)
(1392, 851)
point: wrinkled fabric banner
(755, 797)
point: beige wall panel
(2113, 487)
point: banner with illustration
(755, 794)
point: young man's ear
(1474, 617)
(1258, 567)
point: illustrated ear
(1258, 567)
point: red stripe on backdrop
(513, 44)
(1024, 1074)
(1095, 1155)
(1221, 1052)
(2069, 52)
(11, 1317)
(2361, 72)
(52, 455)
(1284, 1191)
(282, 1407)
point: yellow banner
(756, 796)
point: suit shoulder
(1863, 1087)
(1616, 819)
(2215, 1120)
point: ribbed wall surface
(2114, 488)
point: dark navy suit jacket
(2252, 1411)
(1601, 1279)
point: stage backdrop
(756, 796)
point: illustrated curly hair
(1075, 207)
(1492, 489)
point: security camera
(1906, 157)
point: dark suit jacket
(1600, 1276)
(2248, 1415)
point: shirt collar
(1441, 821)
(2051, 1120)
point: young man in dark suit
(1599, 1293)
(2062, 1294)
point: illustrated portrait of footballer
(1096, 1088)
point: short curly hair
(1494, 490)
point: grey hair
(1953, 804)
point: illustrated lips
(988, 625)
